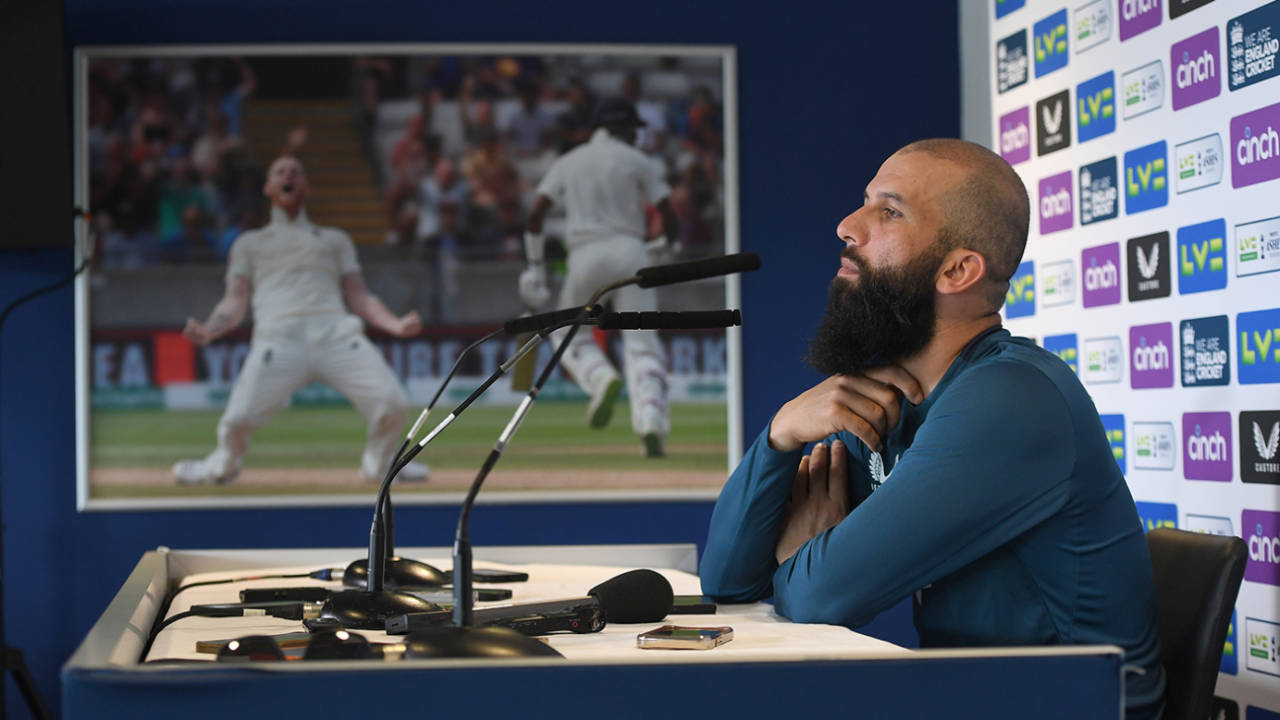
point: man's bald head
(988, 211)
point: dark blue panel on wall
(825, 91)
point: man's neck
(949, 338)
(284, 214)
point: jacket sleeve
(738, 563)
(993, 459)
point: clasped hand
(867, 406)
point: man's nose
(851, 230)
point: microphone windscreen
(697, 269)
(635, 596)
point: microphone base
(365, 610)
(486, 642)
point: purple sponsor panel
(1015, 136)
(1151, 353)
(1206, 446)
(1056, 207)
(1255, 146)
(1261, 532)
(1195, 64)
(1101, 269)
(1139, 16)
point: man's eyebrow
(895, 197)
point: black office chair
(1197, 577)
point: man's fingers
(838, 475)
(819, 462)
(800, 486)
(898, 377)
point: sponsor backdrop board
(1148, 135)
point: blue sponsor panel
(1230, 663)
(1096, 107)
(1202, 257)
(1206, 354)
(1257, 713)
(1099, 191)
(1066, 347)
(1253, 42)
(1157, 515)
(1012, 62)
(1259, 349)
(1020, 300)
(1146, 178)
(1049, 38)
(1004, 7)
(1113, 425)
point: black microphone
(685, 320)
(551, 319)
(697, 269)
(633, 597)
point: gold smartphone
(680, 637)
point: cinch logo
(1096, 111)
(1103, 360)
(1260, 447)
(1261, 530)
(1057, 283)
(1064, 346)
(1020, 300)
(1153, 445)
(1053, 123)
(1253, 42)
(1259, 334)
(1012, 63)
(1145, 178)
(1205, 359)
(1015, 136)
(1258, 247)
(1113, 426)
(1055, 203)
(1206, 446)
(1099, 191)
(1143, 89)
(1263, 657)
(1255, 146)
(1149, 267)
(1157, 515)
(1195, 69)
(1051, 43)
(1151, 357)
(1202, 257)
(1199, 163)
(1138, 16)
(1091, 24)
(1004, 7)
(1101, 269)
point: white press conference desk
(771, 666)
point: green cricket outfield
(316, 450)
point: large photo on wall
(295, 246)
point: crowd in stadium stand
(172, 180)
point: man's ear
(960, 270)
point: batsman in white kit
(308, 299)
(603, 185)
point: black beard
(884, 317)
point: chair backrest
(1197, 577)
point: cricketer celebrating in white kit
(305, 284)
(603, 185)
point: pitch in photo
(293, 248)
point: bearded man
(953, 463)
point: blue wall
(826, 91)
